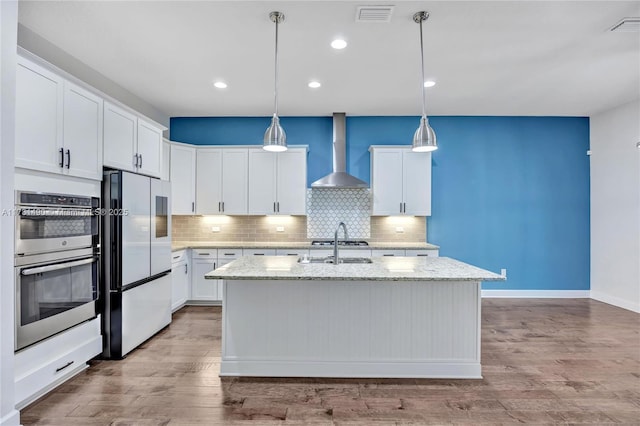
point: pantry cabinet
(277, 182)
(221, 181)
(400, 181)
(58, 124)
(131, 143)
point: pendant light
(275, 139)
(424, 139)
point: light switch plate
(215, 229)
(399, 229)
(279, 228)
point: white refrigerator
(136, 245)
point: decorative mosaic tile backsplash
(326, 208)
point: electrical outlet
(215, 229)
(503, 272)
(399, 229)
(279, 228)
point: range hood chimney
(339, 178)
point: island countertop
(381, 269)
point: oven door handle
(49, 268)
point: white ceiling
(488, 58)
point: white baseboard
(541, 294)
(12, 418)
(616, 301)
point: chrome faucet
(335, 241)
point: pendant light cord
(276, 69)
(424, 109)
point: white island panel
(351, 329)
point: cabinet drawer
(229, 253)
(292, 252)
(43, 366)
(342, 252)
(259, 252)
(178, 256)
(385, 253)
(422, 252)
(204, 254)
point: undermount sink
(329, 259)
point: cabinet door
(291, 181)
(234, 181)
(38, 137)
(386, 182)
(136, 228)
(120, 135)
(416, 183)
(201, 288)
(262, 182)
(179, 285)
(209, 181)
(82, 132)
(183, 167)
(149, 149)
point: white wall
(615, 206)
(8, 43)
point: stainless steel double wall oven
(56, 263)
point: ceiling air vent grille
(374, 13)
(627, 25)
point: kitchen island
(394, 317)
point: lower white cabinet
(292, 252)
(202, 289)
(45, 365)
(422, 252)
(259, 252)
(179, 280)
(387, 253)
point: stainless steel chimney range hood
(339, 178)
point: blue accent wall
(508, 192)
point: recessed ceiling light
(314, 84)
(220, 84)
(429, 83)
(338, 43)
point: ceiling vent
(374, 13)
(627, 25)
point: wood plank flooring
(545, 361)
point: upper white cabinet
(131, 143)
(221, 181)
(278, 182)
(400, 181)
(183, 179)
(58, 124)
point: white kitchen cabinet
(221, 181)
(423, 252)
(259, 252)
(131, 143)
(203, 261)
(165, 173)
(342, 252)
(277, 182)
(292, 252)
(58, 124)
(183, 179)
(179, 280)
(400, 181)
(387, 252)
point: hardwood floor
(545, 361)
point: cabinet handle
(135, 160)
(229, 254)
(223, 207)
(176, 257)
(292, 254)
(274, 206)
(203, 254)
(422, 255)
(140, 155)
(68, 158)
(258, 254)
(278, 206)
(193, 206)
(64, 366)
(400, 207)
(61, 163)
(219, 206)
(388, 254)
(186, 268)
(404, 207)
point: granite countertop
(382, 269)
(181, 245)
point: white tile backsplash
(326, 208)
